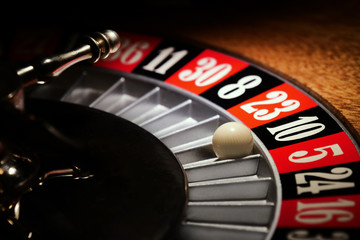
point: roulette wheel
(300, 181)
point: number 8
(235, 90)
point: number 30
(206, 72)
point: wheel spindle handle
(98, 45)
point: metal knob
(106, 42)
(98, 45)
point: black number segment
(166, 59)
(243, 85)
(316, 234)
(320, 182)
(309, 124)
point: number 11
(163, 54)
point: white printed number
(207, 72)
(235, 90)
(298, 129)
(318, 213)
(165, 60)
(274, 98)
(302, 234)
(316, 186)
(300, 156)
(129, 53)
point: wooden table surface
(315, 43)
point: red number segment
(134, 48)
(205, 71)
(324, 212)
(281, 101)
(325, 151)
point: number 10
(297, 129)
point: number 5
(299, 156)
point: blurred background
(314, 42)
